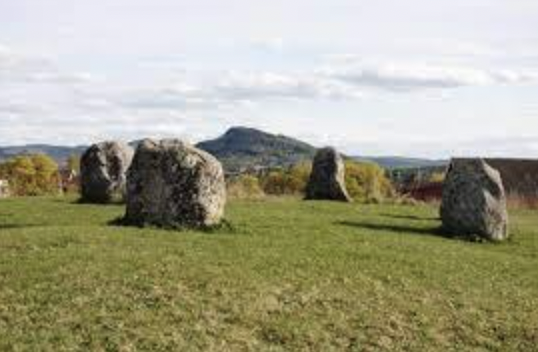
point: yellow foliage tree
(35, 174)
(245, 187)
(290, 181)
(367, 182)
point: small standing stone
(327, 180)
(102, 171)
(474, 201)
(173, 184)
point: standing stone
(474, 201)
(327, 180)
(173, 184)
(102, 171)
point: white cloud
(19, 67)
(269, 85)
(231, 90)
(409, 77)
(40, 101)
(345, 80)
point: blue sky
(424, 78)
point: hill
(242, 148)
(239, 149)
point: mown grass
(288, 275)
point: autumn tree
(245, 187)
(367, 182)
(288, 181)
(34, 174)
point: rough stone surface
(474, 201)
(102, 171)
(173, 184)
(327, 180)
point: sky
(424, 78)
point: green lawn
(288, 275)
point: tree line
(365, 182)
(39, 174)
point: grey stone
(102, 171)
(474, 201)
(327, 180)
(173, 184)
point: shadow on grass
(436, 231)
(411, 217)
(18, 226)
(225, 227)
(112, 202)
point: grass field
(288, 275)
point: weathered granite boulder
(327, 180)
(102, 171)
(173, 184)
(474, 201)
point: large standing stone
(102, 171)
(474, 201)
(173, 184)
(327, 180)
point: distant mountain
(242, 148)
(397, 162)
(239, 149)
(58, 153)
